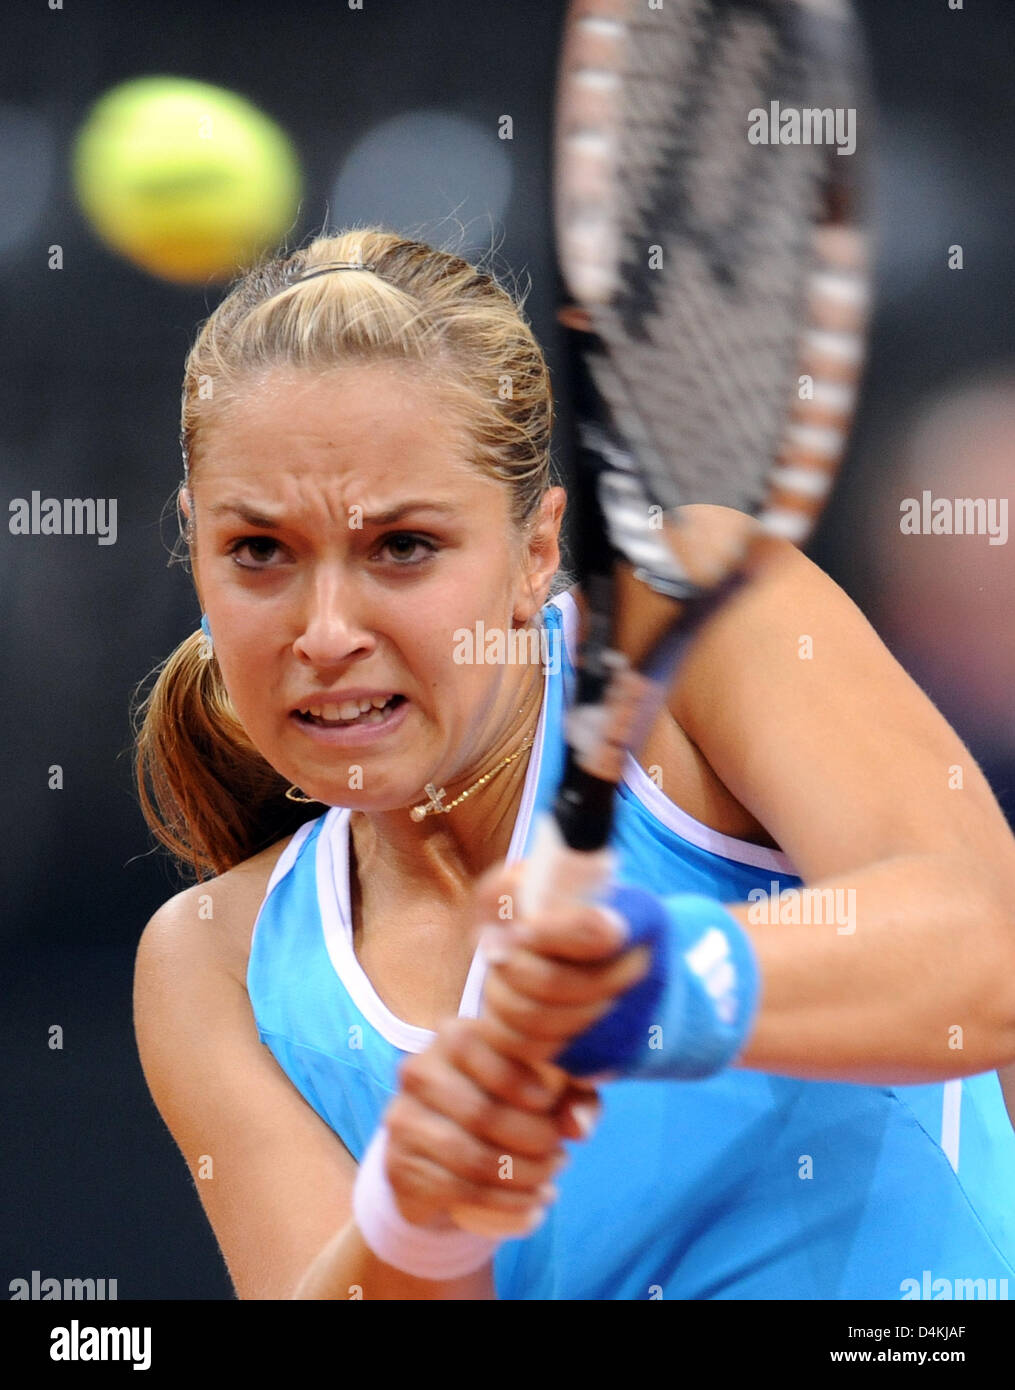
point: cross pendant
(436, 797)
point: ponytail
(205, 791)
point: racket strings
(732, 228)
(702, 243)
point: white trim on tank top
(336, 912)
(287, 858)
(661, 807)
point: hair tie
(327, 269)
(295, 280)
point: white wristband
(418, 1250)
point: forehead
(357, 425)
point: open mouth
(369, 713)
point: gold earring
(294, 794)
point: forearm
(348, 1269)
(912, 980)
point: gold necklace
(435, 807)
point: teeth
(352, 709)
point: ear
(185, 502)
(540, 555)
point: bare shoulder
(216, 918)
(805, 715)
(273, 1178)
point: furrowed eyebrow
(245, 514)
(385, 518)
(404, 508)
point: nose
(332, 630)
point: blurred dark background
(393, 110)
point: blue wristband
(692, 1014)
(620, 1035)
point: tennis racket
(708, 210)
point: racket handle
(552, 874)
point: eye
(255, 545)
(403, 545)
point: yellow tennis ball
(187, 180)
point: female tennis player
(350, 756)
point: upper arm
(275, 1182)
(815, 728)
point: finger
(552, 982)
(576, 932)
(471, 1046)
(543, 1013)
(425, 1191)
(532, 1051)
(502, 881)
(446, 1091)
(415, 1132)
(578, 1111)
(550, 1024)
(496, 896)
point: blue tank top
(744, 1185)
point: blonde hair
(207, 794)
